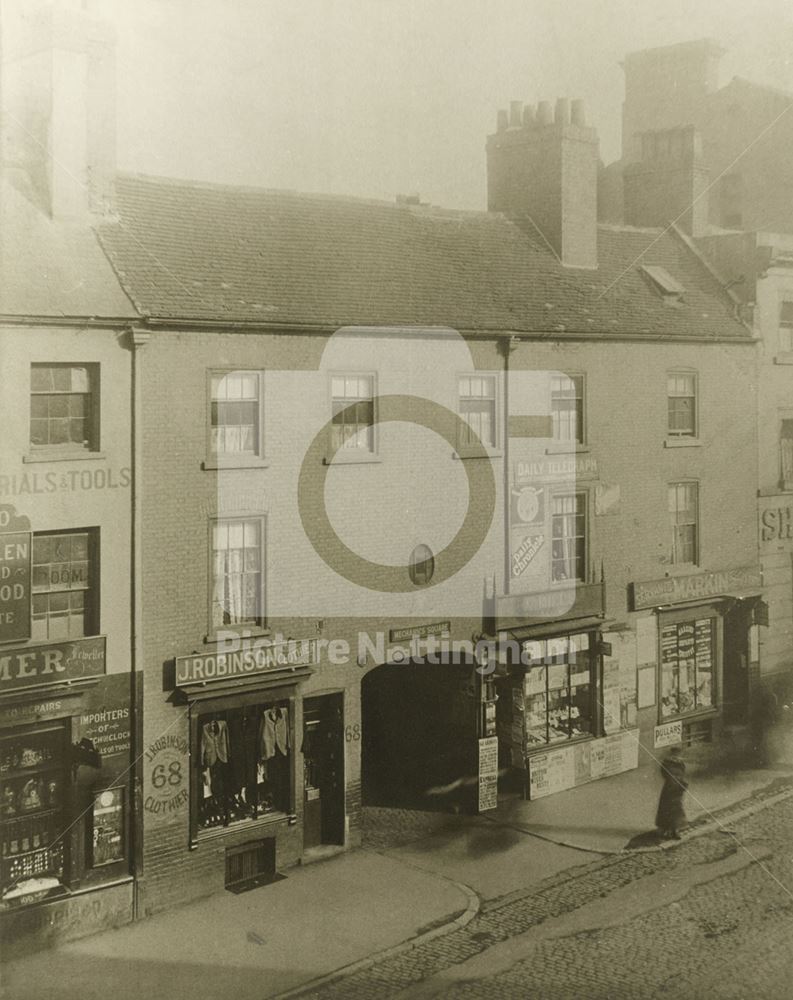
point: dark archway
(419, 735)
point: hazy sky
(379, 97)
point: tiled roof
(214, 253)
(53, 268)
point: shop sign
(250, 659)
(776, 524)
(419, 631)
(585, 599)
(570, 766)
(52, 664)
(488, 773)
(670, 734)
(15, 555)
(674, 589)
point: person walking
(671, 815)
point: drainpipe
(138, 339)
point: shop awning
(260, 683)
(756, 594)
(563, 627)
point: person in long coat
(671, 815)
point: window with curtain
(352, 418)
(567, 408)
(477, 401)
(568, 537)
(786, 453)
(237, 572)
(681, 392)
(235, 414)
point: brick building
(402, 492)
(590, 377)
(67, 711)
(746, 134)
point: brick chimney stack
(669, 183)
(58, 106)
(542, 166)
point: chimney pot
(578, 113)
(515, 113)
(501, 121)
(544, 114)
(562, 111)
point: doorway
(323, 764)
(736, 664)
(419, 736)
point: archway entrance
(419, 727)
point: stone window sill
(682, 442)
(76, 455)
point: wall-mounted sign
(107, 840)
(527, 506)
(15, 558)
(674, 589)
(250, 659)
(514, 610)
(488, 773)
(52, 664)
(555, 467)
(668, 735)
(776, 524)
(523, 552)
(419, 631)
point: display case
(33, 803)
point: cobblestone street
(712, 917)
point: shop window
(33, 818)
(786, 453)
(683, 503)
(568, 532)
(567, 408)
(477, 402)
(64, 585)
(681, 393)
(786, 327)
(352, 419)
(422, 565)
(63, 407)
(558, 693)
(244, 764)
(235, 408)
(687, 667)
(238, 572)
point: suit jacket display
(274, 733)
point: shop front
(560, 717)
(707, 647)
(66, 739)
(246, 743)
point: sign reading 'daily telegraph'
(52, 664)
(673, 589)
(250, 658)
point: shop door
(736, 666)
(323, 760)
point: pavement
(424, 875)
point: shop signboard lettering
(776, 524)
(550, 468)
(514, 610)
(52, 664)
(668, 735)
(674, 589)
(488, 773)
(15, 557)
(250, 658)
(419, 631)
(524, 552)
(165, 778)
